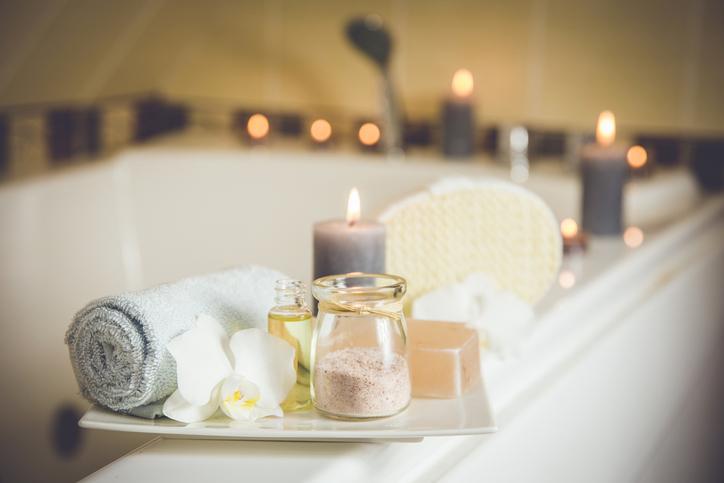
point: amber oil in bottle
(291, 320)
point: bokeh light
(257, 126)
(369, 134)
(566, 279)
(462, 83)
(637, 156)
(569, 228)
(320, 130)
(519, 139)
(633, 237)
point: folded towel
(117, 344)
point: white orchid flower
(247, 376)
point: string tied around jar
(358, 309)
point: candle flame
(606, 128)
(353, 207)
(462, 83)
(569, 228)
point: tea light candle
(351, 245)
(604, 172)
(573, 239)
(457, 117)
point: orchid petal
(451, 302)
(179, 409)
(201, 360)
(267, 361)
(262, 412)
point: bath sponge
(461, 226)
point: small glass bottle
(291, 319)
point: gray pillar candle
(343, 248)
(352, 245)
(604, 172)
(457, 128)
(458, 122)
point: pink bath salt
(362, 382)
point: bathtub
(158, 213)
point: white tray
(469, 414)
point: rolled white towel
(117, 344)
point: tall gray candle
(458, 122)
(604, 172)
(351, 245)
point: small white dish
(470, 414)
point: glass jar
(359, 365)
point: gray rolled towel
(117, 344)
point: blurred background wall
(658, 64)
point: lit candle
(573, 239)
(604, 172)
(351, 245)
(457, 117)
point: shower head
(371, 37)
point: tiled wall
(34, 140)
(4, 146)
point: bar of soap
(444, 358)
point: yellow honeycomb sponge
(462, 226)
